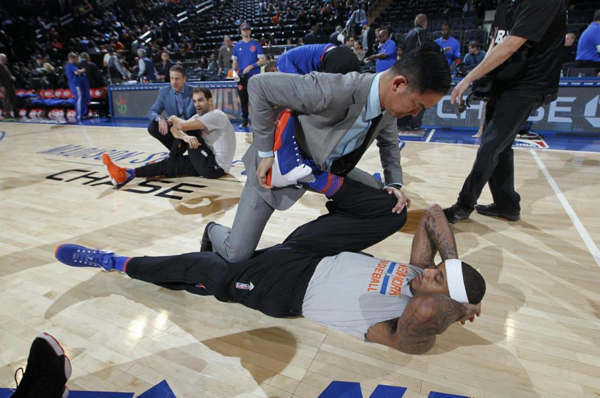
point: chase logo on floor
(81, 152)
(160, 188)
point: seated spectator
(213, 68)
(164, 66)
(147, 70)
(359, 52)
(474, 57)
(301, 19)
(588, 48)
(173, 47)
(311, 37)
(570, 49)
(399, 52)
(203, 63)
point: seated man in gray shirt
(210, 143)
(318, 272)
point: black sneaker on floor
(456, 213)
(47, 371)
(205, 243)
(493, 211)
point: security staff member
(524, 61)
(247, 58)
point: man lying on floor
(318, 272)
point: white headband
(456, 282)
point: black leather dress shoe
(493, 211)
(456, 213)
(205, 243)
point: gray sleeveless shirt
(351, 292)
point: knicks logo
(253, 49)
(387, 278)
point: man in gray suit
(338, 117)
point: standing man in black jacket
(415, 39)
(525, 61)
(91, 70)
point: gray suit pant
(239, 242)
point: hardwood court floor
(538, 336)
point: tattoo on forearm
(429, 319)
(440, 234)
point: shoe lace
(94, 258)
(22, 373)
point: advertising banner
(134, 101)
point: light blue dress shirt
(355, 137)
(357, 133)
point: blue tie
(179, 101)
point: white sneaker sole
(112, 180)
(59, 351)
(291, 178)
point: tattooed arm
(433, 234)
(425, 316)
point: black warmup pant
(199, 162)
(167, 140)
(243, 93)
(340, 60)
(9, 100)
(506, 113)
(274, 280)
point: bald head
(3, 58)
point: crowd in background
(121, 29)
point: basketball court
(538, 335)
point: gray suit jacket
(326, 105)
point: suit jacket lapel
(359, 98)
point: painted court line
(587, 239)
(430, 135)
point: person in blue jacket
(79, 85)
(175, 99)
(327, 58)
(386, 57)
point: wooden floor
(538, 336)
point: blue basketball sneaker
(289, 165)
(79, 256)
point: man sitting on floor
(209, 154)
(318, 272)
